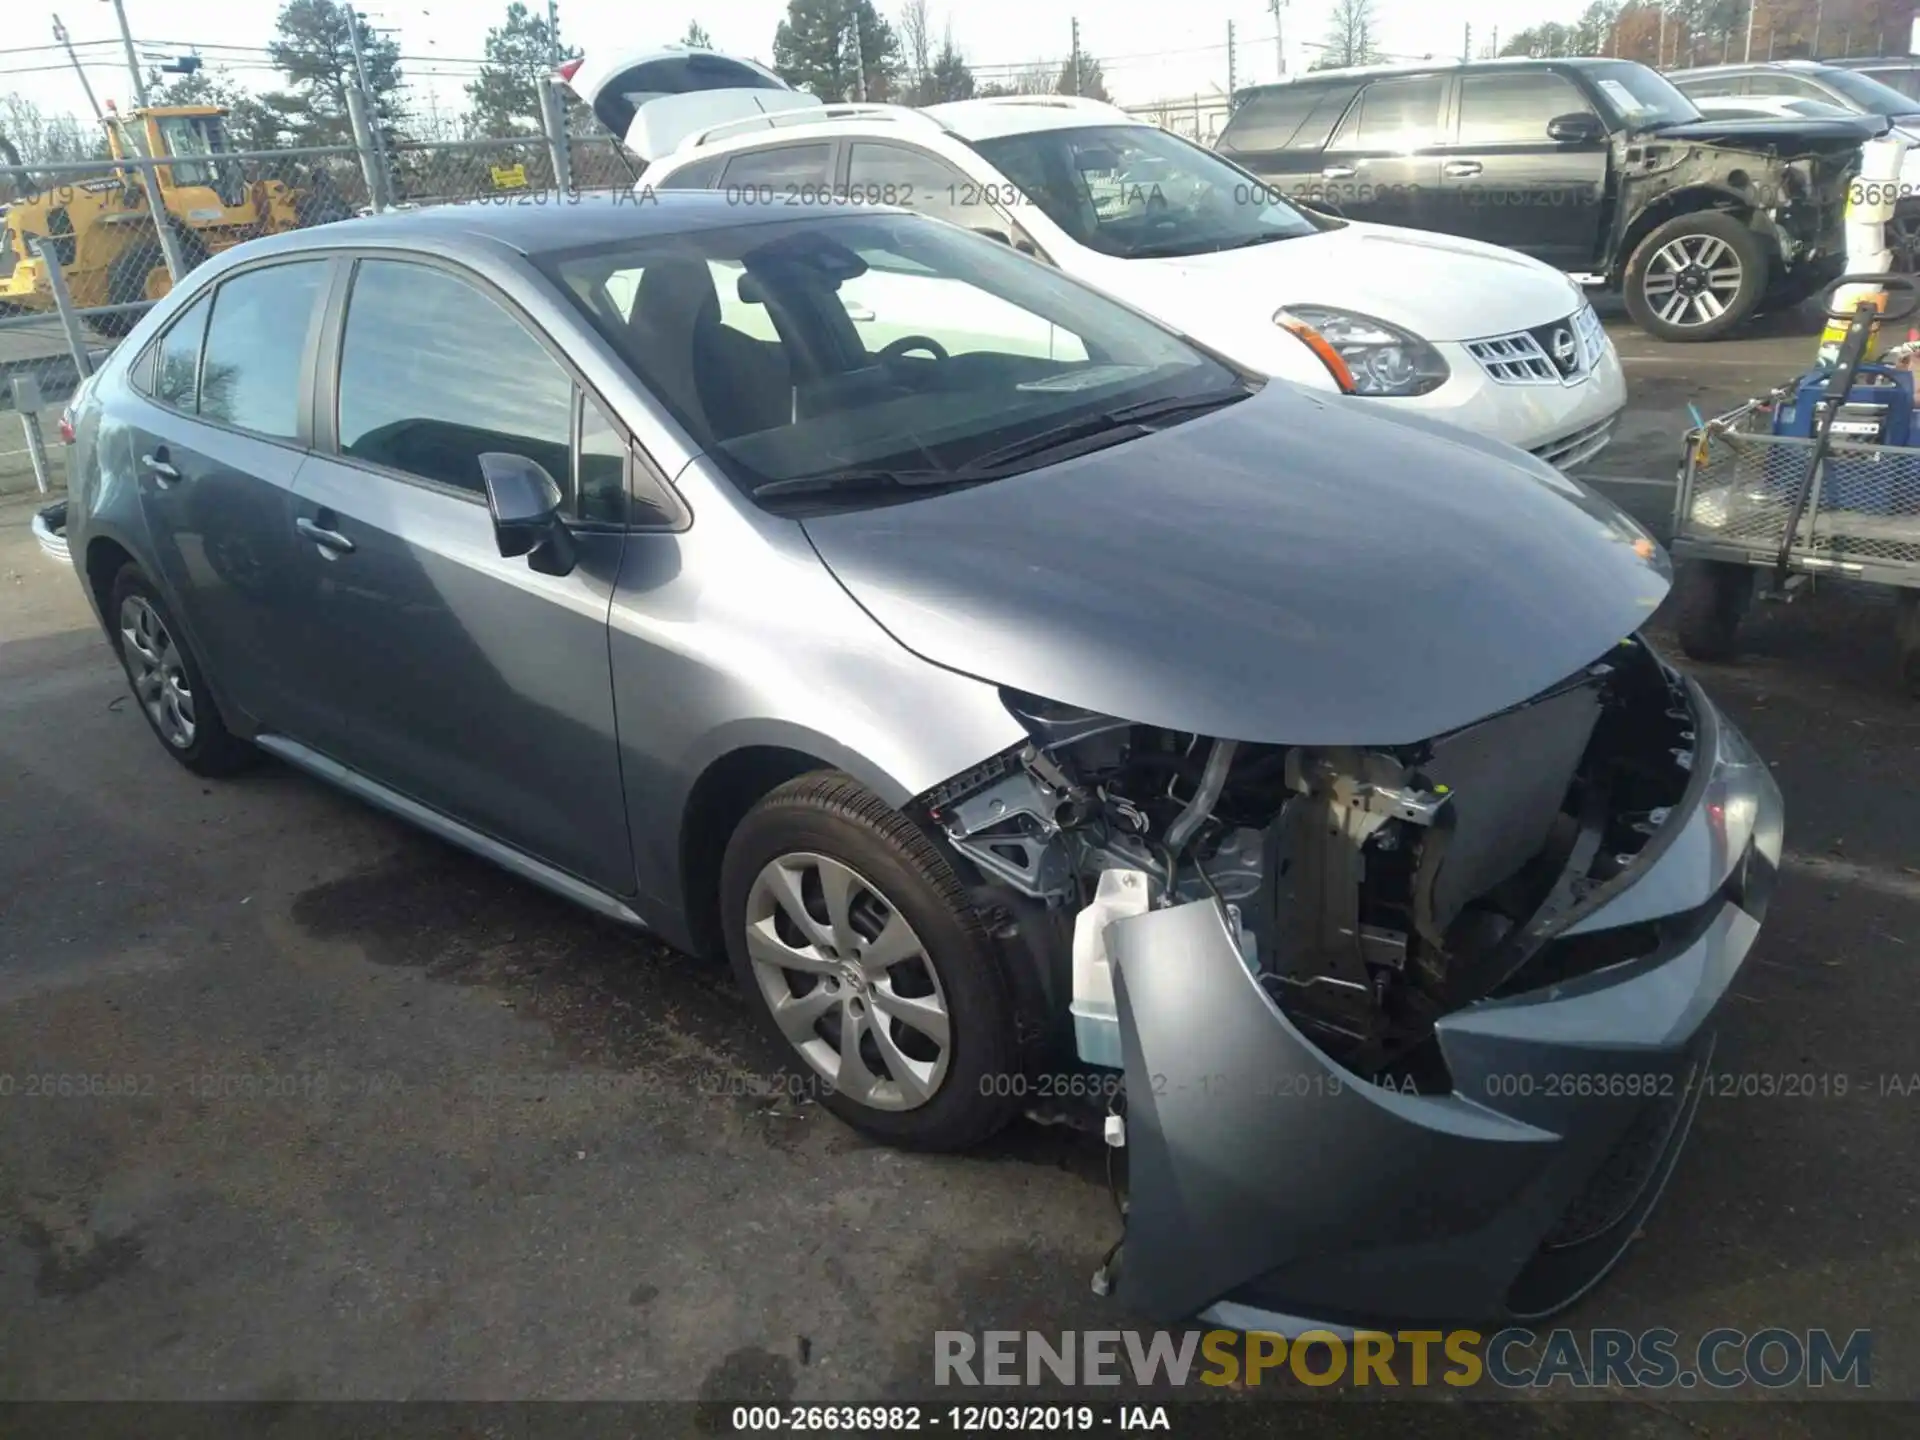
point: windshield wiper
(1135, 419)
(871, 478)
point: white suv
(1455, 329)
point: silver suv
(1040, 712)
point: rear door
(1279, 133)
(1382, 162)
(1505, 180)
(458, 677)
(217, 449)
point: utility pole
(1466, 44)
(1660, 45)
(1279, 43)
(859, 59)
(553, 31)
(1819, 13)
(135, 136)
(369, 105)
(1232, 80)
(1753, 7)
(1073, 83)
(60, 34)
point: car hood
(1296, 568)
(1441, 287)
(1788, 137)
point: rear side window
(434, 373)
(1398, 114)
(176, 374)
(1709, 85)
(895, 175)
(1905, 79)
(1513, 109)
(255, 342)
(1269, 119)
(701, 175)
(781, 166)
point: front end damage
(1407, 1031)
(1791, 189)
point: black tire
(1710, 598)
(1907, 638)
(829, 814)
(1903, 233)
(1701, 225)
(213, 750)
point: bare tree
(916, 40)
(1350, 31)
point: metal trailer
(1764, 514)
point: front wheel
(1695, 277)
(1710, 598)
(855, 942)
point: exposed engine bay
(1372, 891)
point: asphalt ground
(401, 1127)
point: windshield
(1639, 98)
(840, 343)
(1136, 190)
(1869, 94)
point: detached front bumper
(1272, 1190)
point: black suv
(1598, 166)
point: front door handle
(160, 468)
(1338, 172)
(329, 540)
(1460, 169)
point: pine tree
(313, 49)
(505, 96)
(814, 48)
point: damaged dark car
(1044, 715)
(1599, 166)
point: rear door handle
(1338, 172)
(159, 467)
(1460, 169)
(329, 540)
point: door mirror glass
(1582, 127)
(525, 502)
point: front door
(216, 456)
(1505, 180)
(439, 668)
(1381, 163)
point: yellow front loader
(102, 230)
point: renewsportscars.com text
(1514, 1358)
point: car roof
(1429, 67)
(995, 115)
(1753, 67)
(542, 222)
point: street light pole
(60, 34)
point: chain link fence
(82, 259)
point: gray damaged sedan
(1041, 714)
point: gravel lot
(388, 1226)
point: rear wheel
(1695, 277)
(1710, 598)
(855, 942)
(1903, 235)
(167, 680)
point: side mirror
(1582, 127)
(993, 234)
(524, 501)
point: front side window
(1514, 108)
(1136, 190)
(184, 137)
(896, 175)
(176, 375)
(255, 340)
(701, 175)
(434, 373)
(889, 343)
(600, 478)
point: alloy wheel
(1692, 280)
(159, 677)
(848, 981)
